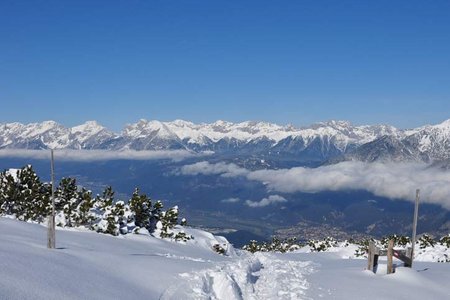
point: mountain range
(320, 142)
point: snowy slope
(89, 265)
(428, 143)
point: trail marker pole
(51, 235)
(416, 214)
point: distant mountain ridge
(318, 142)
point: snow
(88, 265)
(259, 276)
(337, 278)
(51, 134)
(434, 140)
(12, 172)
(339, 133)
(86, 131)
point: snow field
(89, 265)
(258, 276)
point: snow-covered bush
(399, 240)
(319, 246)
(445, 241)
(275, 245)
(426, 241)
(219, 249)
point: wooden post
(371, 256)
(390, 253)
(416, 214)
(51, 235)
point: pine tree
(111, 227)
(85, 217)
(21, 194)
(67, 200)
(107, 198)
(9, 191)
(115, 219)
(155, 215)
(168, 220)
(141, 207)
(119, 214)
(42, 205)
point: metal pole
(51, 236)
(416, 213)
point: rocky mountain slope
(318, 142)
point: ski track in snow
(258, 276)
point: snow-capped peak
(444, 125)
(89, 126)
(145, 129)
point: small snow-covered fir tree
(9, 191)
(30, 186)
(111, 222)
(252, 246)
(42, 203)
(168, 220)
(21, 194)
(67, 200)
(155, 215)
(107, 198)
(141, 207)
(102, 209)
(85, 216)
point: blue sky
(280, 61)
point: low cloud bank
(98, 155)
(391, 180)
(272, 199)
(206, 168)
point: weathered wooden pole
(51, 235)
(371, 256)
(390, 253)
(416, 214)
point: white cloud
(272, 199)
(98, 155)
(391, 180)
(206, 168)
(230, 200)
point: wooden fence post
(390, 253)
(371, 256)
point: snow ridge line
(253, 277)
